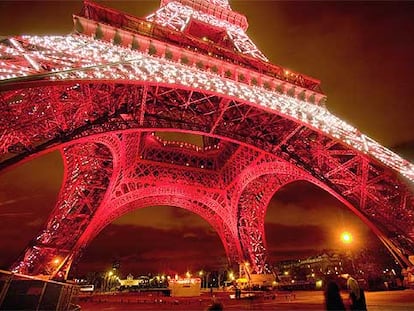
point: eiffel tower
(102, 94)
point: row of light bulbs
(104, 61)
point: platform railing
(23, 292)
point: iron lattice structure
(100, 95)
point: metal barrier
(23, 292)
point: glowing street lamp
(201, 275)
(346, 237)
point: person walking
(356, 294)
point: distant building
(185, 287)
(131, 283)
(310, 272)
(322, 264)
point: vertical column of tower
(88, 170)
(252, 206)
(116, 144)
(125, 149)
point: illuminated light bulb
(137, 66)
(346, 237)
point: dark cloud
(27, 196)
(16, 232)
(305, 194)
(291, 237)
(302, 203)
(164, 217)
(142, 249)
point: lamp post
(201, 275)
(347, 239)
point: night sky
(361, 51)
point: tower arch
(228, 239)
(262, 182)
(202, 205)
(165, 239)
(308, 155)
(64, 92)
(87, 171)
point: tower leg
(88, 170)
(252, 208)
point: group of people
(333, 299)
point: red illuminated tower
(101, 94)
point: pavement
(401, 300)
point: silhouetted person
(333, 299)
(237, 293)
(356, 294)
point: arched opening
(304, 226)
(154, 240)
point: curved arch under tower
(262, 128)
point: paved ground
(301, 300)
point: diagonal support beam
(224, 103)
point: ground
(402, 300)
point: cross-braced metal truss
(229, 179)
(101, 104)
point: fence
(22, 292)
